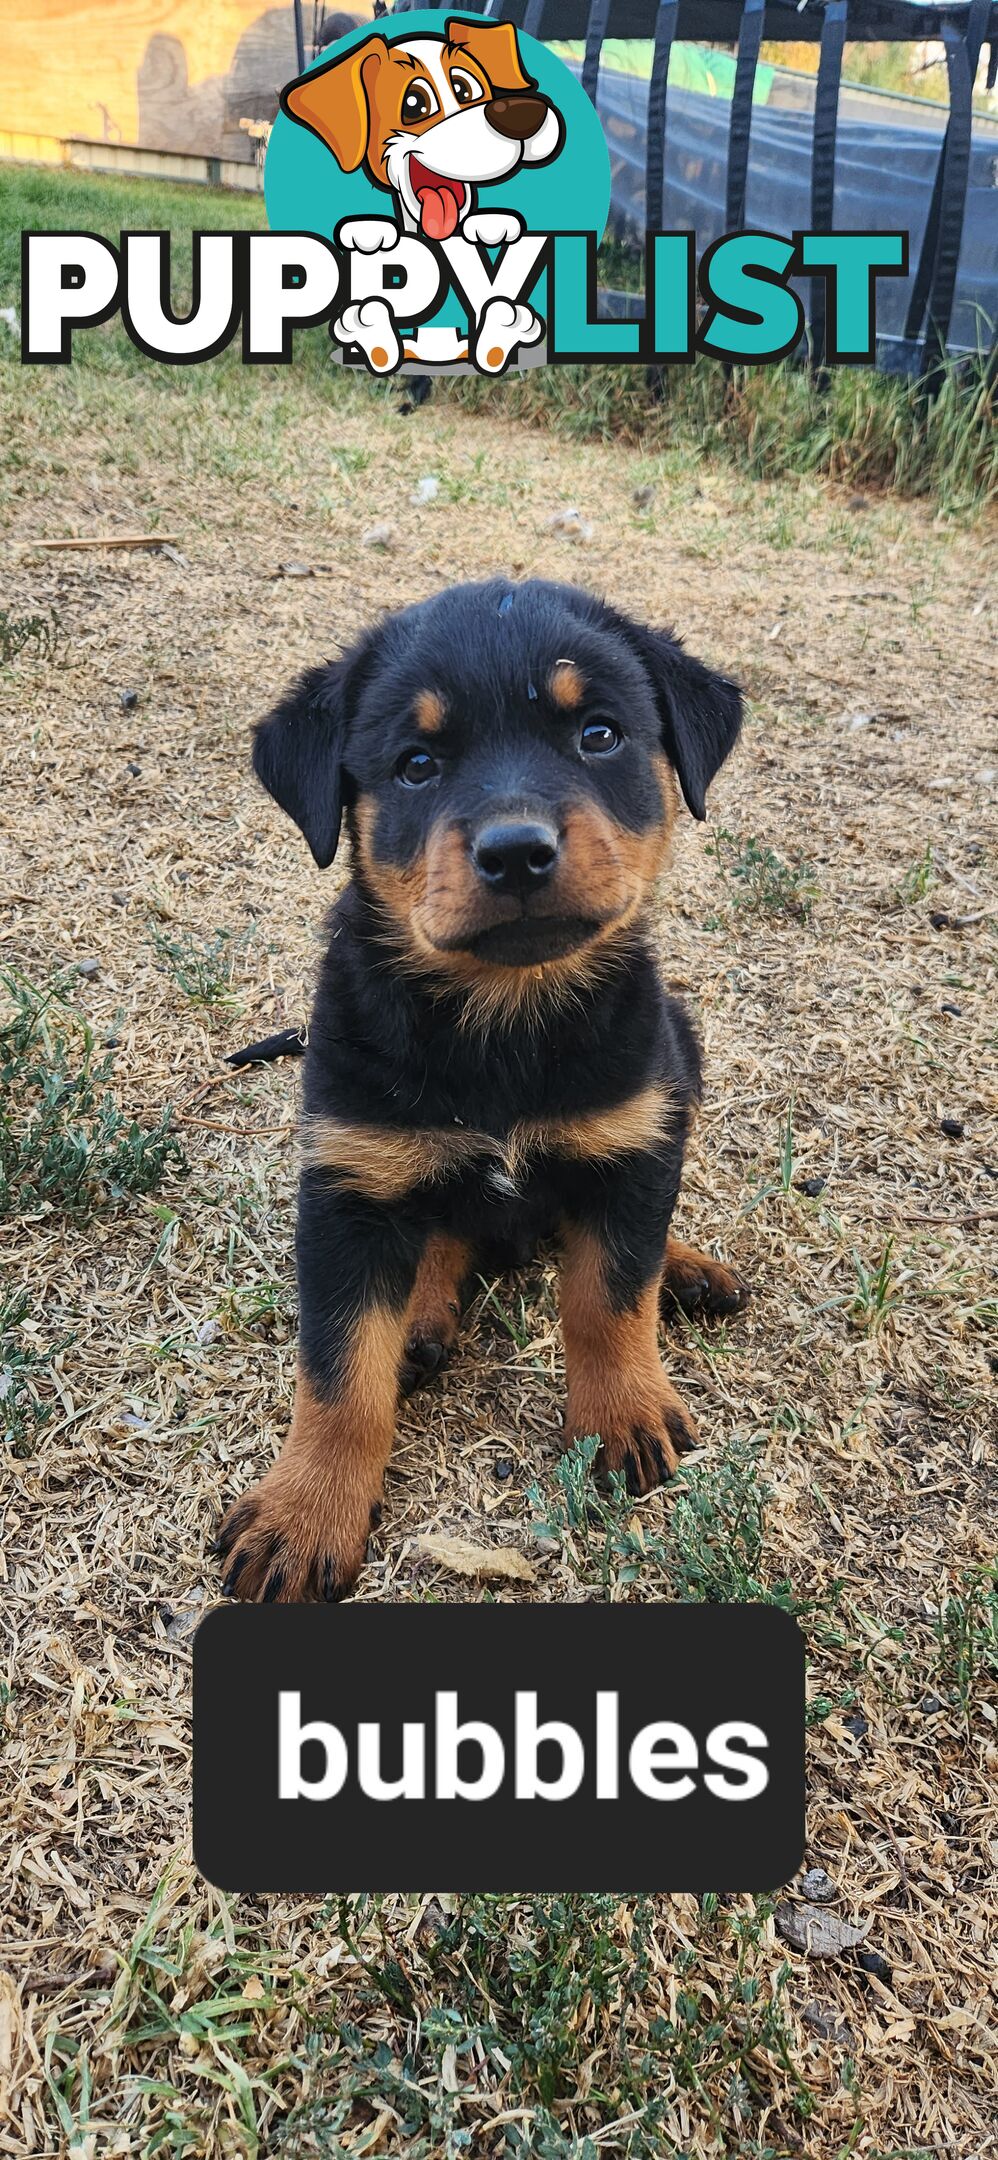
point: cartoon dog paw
(505, 325)
(368, 323)
(492, 227)
(367, 235)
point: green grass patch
(758, 879)
(18, 632)
(856, 426)
(64, 1141)
(201, 967)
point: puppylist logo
(443, 159)
(436, 190)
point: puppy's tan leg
(696, 1283)
(301, 1533)
(616, 1385)
(435, 1309)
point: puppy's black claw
(664, 1472)
(229, 1585)
(273, 1587)
(376, 1516)
(632, 1476)
(683, 1440)
(331, 1588)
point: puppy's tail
(291, 1042)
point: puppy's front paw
(699, 1284)
(505, 326)
(367, 235)
(642, 1440)
(368, 323)
(428, 1346)
(294, 1541)
(493, 228)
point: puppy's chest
(500, 1158)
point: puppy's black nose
(517, 116)
(515, 855)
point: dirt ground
(833, 932)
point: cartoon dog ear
(334, 101)
(298, 755)
(700, 711)
(494, 47)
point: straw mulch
(864, 633)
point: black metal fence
(963, 27)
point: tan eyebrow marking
(430, 710)
(565, 685)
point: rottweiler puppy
(491, 1060)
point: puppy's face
(430, 117)
(507, 756)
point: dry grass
(142, 2013)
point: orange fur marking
(616, 1384)
(565, 685)
(385, 1161)
(302, 1531)
(430, 711)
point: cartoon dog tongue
(439, 204)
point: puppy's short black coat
(491, 1059)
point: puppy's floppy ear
(494, 47)
(298, 755)
(333, 102)
(700, 711)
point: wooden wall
(169, 74)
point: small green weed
(967, 1636)
(878, 1291)
(202, 967)
(519, 1996)
(918, 879)
(710, 1550)
(22, 1367)
(17, 632)
(64, 1143)
(254, 1308)
(786, 1161)
(763, 883)
(349, 458)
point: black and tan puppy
(491, 1059)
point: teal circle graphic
(306, 190)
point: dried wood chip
(499, 1563)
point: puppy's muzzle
(515, 856)
(518, 115)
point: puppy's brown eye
(417, 103)
(598, 737)
(416, 767)
(464, 89)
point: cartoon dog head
(430, 117)
(505, 755)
